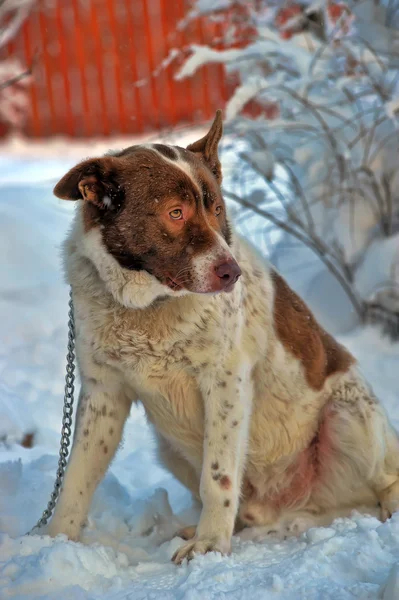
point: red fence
(95, 64)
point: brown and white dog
(256, 409)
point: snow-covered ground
(126, 550)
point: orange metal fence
(95, 64)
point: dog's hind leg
(185, 473)
(101, 414)
(359, 463)
(174, 462)
(386, 481)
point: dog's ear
(92, 180)
(207, 146)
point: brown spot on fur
(111, 431)
(226, 503)
(228, 373)
(234, 423)
(71, 522)
(86, 432)
(297, 329)
(225, 482)
(80, 493)
(101, 442)
(216, 476)
(249, 517)
(105, 449)
(225, 437)
(104, 410)
(215, 465)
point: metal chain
(66, 430)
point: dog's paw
(388, 508)
(299, 525)
(199, 546)
(389, 501)
(70, 528)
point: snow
(126, 549)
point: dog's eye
(176, 214)
(218, 210)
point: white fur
(179, 162)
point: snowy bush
(313, 115)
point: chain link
(66, 430)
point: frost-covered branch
(14, 77)
(314, 122)
(16, 11)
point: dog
(256, 409)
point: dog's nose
(228, 273)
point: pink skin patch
(249, 517)
(308, 468)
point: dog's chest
(160, 358)
(147, 349)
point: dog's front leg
(101, 414)
(228, 401)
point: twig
(15, 79)
(357, 304)
(9, 31)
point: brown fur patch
(297, 329)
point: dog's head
(158, 209)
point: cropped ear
(92, 180)
(207, 147)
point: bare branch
(319, 250)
